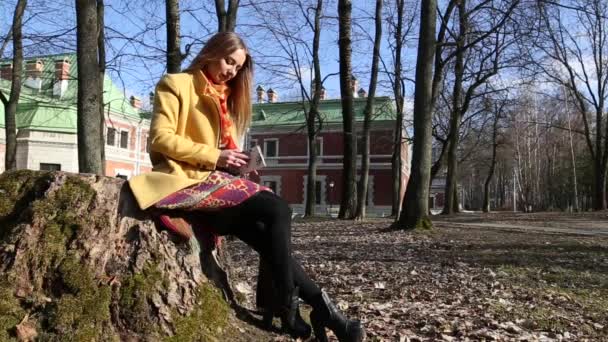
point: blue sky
(136, 37)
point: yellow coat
(184, 137)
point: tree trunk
(174, 56)
(398, 92)
(451, 184)
(78, 259)
(10, 157)
(226, 20)
(599, 195)
(89, 97)
(101, 40)
(349, 190)
(313, 116)
(414, 211)
(369, 112)
(486, 184)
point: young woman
(199, 115)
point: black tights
(263, 221)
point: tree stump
(79, 261)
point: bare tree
(295, 29)
(575, 58)
(398, 93)
(10, 105)
(472, 50)
(90, 156)
(349, 190)
(313, 114)
(414, 211)
(498, 108)
(368, 114)
(226, 18)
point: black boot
(265, 295)
(291, 321)
(325, 314)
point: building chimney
(260, 92)
(6, 71)
(135, 102)
(354, 84)
(362, 92)
(323, 93)
(62, 74)
(33, 70)
(272, 96)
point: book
(256, 160)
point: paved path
(578, 231)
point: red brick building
(279, 129)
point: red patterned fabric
(219, 190)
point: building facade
(46, 120)
(279, 129)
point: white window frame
(271, 160)
(323, 180)
(320, 147)
(273, 178)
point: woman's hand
(232, 159)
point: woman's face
(226, 68)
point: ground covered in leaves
(459, 282)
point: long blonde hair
(217, 47)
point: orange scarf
(222, 92)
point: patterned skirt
(220, 190)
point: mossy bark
(80, 262)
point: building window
(272, 185)
(320, 190)
(318, 146)
(124, 139)
(271, 148)
(50, 167)
(318, 193)
(111, 136)
(273, 182)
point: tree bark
(369, 112)
(101, 40)
(313, 116)
(174, 56)
(398, 133)
(451, 184)
(349, 190)
(486, 184)
(414, 211)
(10, 117)
(89, 98)
(226, 20)
(94, 267)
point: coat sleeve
(163, 137)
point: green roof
(40, 110)
(292, 113)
